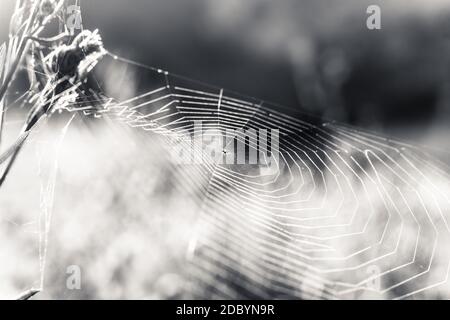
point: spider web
(336, 213)
(47, 164)
(339, 213)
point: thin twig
(12, 71)
(27, 295)
(23, 46)
(11, 150)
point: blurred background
(316, 55)
(311, 55)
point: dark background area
(313, 55)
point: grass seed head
(78, 58)
(47, 7)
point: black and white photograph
(224, 150)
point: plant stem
(24, 44)
(27, 294)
